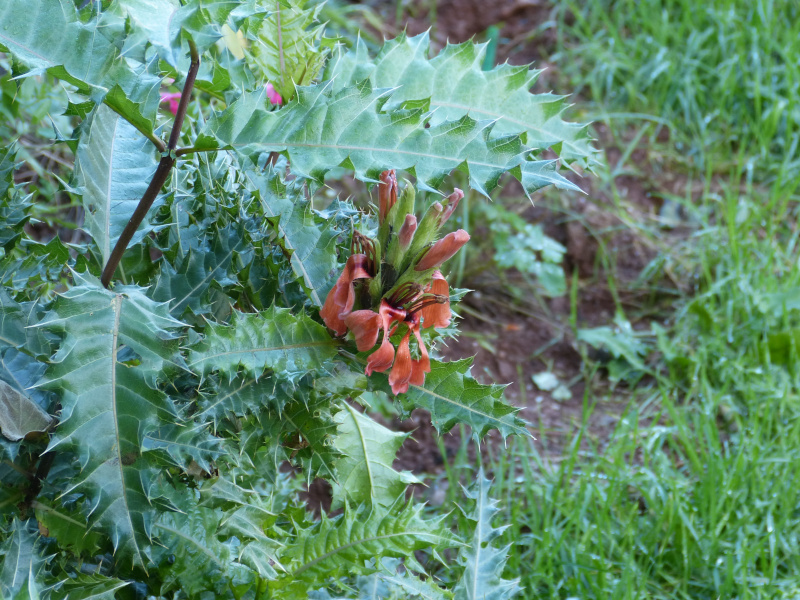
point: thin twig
(159, 177)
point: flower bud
(406, 234)
(387, 194)
(442, 250)
(451, 205)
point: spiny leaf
(108, 406)
(21, 562)
(185, 281)
(483, 562)
(90, 587)
(288, 344)
(365, 473)
(453, 396)
(322, 130)
(310, 239)
(310, 419)
(68, 526)
(155, 19)
(199, 561)
(285, 49)
(47, 34)
(183, 444)
(114, 164)
(456, 85)
(351, 543)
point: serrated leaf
(19, 415)
(457, 85)
(200, 562)
(365, 473)
(322, 130)
(185, 283)
(353, 542)
(310, 419)
(285, 49)
(48, 35)
(107, 405)
(113, 167)
(483, 562)
(68, 526)
(308, 238)
(90, 587)
(289, 345)
(453, 396)
(155, 18)
(21, 563)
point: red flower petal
(401, 370)
(381, 359)
(437, 315)
(365, 325)
(342, 296)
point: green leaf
(453, 396)
(356, 540)
(90, 587)
(47, 34)
(68, 526)
(108, 405)
(289, 345)
(200, 562)
(457, 85)
(304, 234)
(113, 167)
(322, 130)
(311, 420)
(21, 563)
(365, 473)
(185, 281)
(285, 50)
(19, 415)
(155, 19)
(483, 562)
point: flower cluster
(393, 284)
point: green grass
(695, 494)
(724, 73)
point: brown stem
(159, 177)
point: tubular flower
(342, 297)
(365, 325)
(172, 99)
(423, 365)
(272, 94)
(402, 368)
(437, 314)
(405, 293)
(443, 250)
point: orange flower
(436, 314)
(442, 250)
(365, 325)
(421, 366)
(402, 369)
(342, 296)
(381, 359)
